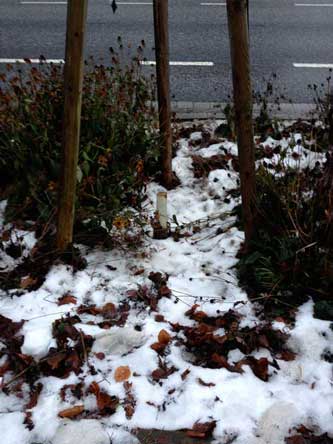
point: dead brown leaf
(159, 347)
(164, 337)
(122, 373)
(258, 366)
(185, 374)
(9, 328)
(72, 412)
(162, 372)
(286, 355)
(222, 362)
(73, 361)
(139, 271)
(108, 309)
(296, 439)
(205, 384)
(67, 299)
(164, 291)
(129, 401)
(28, 281)
(34, 395)
(158, 374)
(202, 430)
(106, 404)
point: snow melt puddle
(200, 270)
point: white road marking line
(134, 3)
(43, 3)
(323, 5)
(153, 63)
(55, 61)
(144, 62)
(313, 65)
(65, 3)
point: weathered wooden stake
(240, 60)
(76, 20)
(163, 88)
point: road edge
(215, 110)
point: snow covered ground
(247, 409)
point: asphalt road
(282, 33)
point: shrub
(291, 256)
(267, 97)
(118, 144)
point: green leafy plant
(118, 144)
(291, 256)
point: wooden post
(248, 18)
(76, 20)
(163, 88)
(240, 60)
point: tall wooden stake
(240, 60)
(163, 87)
(76, 21)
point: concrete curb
(214, 110)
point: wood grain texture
(242, 91)
(163, 87)
(76, 22)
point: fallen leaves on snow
(211, 349)
(202, 430)
(106, 404)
